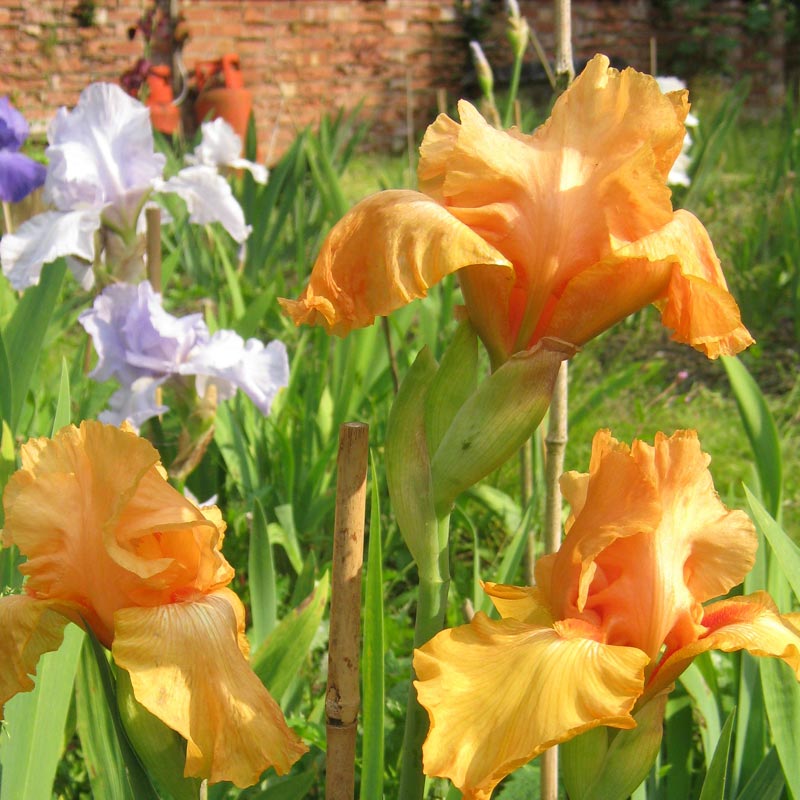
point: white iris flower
(102, 170)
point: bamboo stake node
(342, 698)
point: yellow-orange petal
(499, 693)
(697, 306)
(186, 667)
(385, 252)
(620, 501)
(524, 603)
(28, 628)
(100, 526)
(751, 623)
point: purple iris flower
(142, 346)
(19, 175)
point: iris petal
(28, 628)
(187, 668)
(751, 623)
(385, 252)
(499, 693)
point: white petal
(101, 151)
(208, 198)
(230, 363)
(43, 239)
(219, 145)
(135, 403)
(258, 171)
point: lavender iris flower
(142, 346)
(102, 169)
(19, 175)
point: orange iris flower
(560, 233)
(110, 544)
(615, 617)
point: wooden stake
(342, 699)
(153, 217)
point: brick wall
(303, 58)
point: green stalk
(513, 89)
(434, 584)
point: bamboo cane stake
(153, 218)
(342, 699)
(556, 443)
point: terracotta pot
(164, 115)
(222, 93)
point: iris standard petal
(208, 198)
(385, 252)
(499, 693)
(591, 179)
(751, 623)
(186, 667)
(28, 628)
(118, 534)
(44, 238)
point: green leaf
(608, 764)
(161, 749)
(453, 383)
(25, 332)
(281, 656)
(36, 720)
(408, 465)
(707, 705)
(292, 787)
(95, 724)
(63, 414)
(761, 431)
(767, 781)
(493, 423)
(782, 701)
(714, 783)
(139, 781)
(372, 658)
(787, 553)
(261, 572)
(285, 535)
(6, 384)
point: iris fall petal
(544, 687)
(187, 668)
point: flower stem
(434, 584)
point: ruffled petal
(208, 198)
(588, 181)
(751, 623)
(101, 151)
(230, 363)
(28, 628)
(43, 239)
(499, 693)
(697, 305)
(187, 669)
(385, 252)
(102, 528)
(621, 501)
(651, 542)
